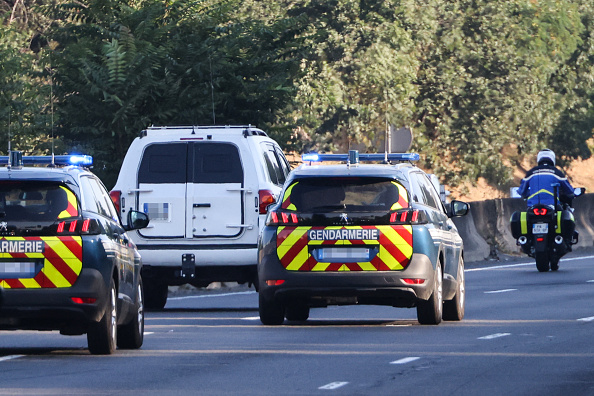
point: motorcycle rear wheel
(542, 261)
(555, 263)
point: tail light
(116, 197)
(265, 198)
(278, 218)
(411, 216)
(78, 227)
(540, 211)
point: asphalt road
(525, 333)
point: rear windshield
(336, 194)
(35, 203)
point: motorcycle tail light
(540, 211)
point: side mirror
(579, 191)
(459, 208)
(137, 220)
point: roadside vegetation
(483, 84)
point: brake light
(116, 197)
(410, 216)
(265, 198)
(540, 211)
(282, 218)
(83, 300)
(78, 227)
(275, 282)
(413, 281)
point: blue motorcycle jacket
(538, 186)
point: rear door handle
(202, 205)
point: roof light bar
(77, 160)
(316, 157)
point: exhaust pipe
(522, 240)
(558, 239)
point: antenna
(214, 120)
(9, 137)
(52, 106)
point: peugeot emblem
(344, 217)
(3, 226)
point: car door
(117, 245)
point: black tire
(131, 335)
(454, 309)
(102, 335)
(272, 313)
(430, 312)
(542, 261)
(297, 312)
(155, 295)
(555, 263)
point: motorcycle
(546, 232)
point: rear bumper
(53, 309)
(164, 255)
(354, 287)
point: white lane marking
(251, 318)
(522, 264)
(492, 336)
(212, 295)
(589, 319)
(500, 291)
(333, 385)
(148, 333)
(10, 357)
(405, 360)
(590, 281)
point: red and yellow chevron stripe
(72, 209)
(402, 202)
(61, 257)
(394, 245)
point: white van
(205, 189)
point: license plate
(17, 269)
(343, 254)
(540, 228)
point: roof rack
(353, 157)
(17, 159)
(247, 130)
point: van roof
(245, 130)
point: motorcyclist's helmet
(546, 156)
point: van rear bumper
(164, 255)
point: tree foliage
(481, 83)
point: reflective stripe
(523, 223)
(287, 198)
(62, 263)
(72, 209)
(402, 197)
(558, 230)
(542, 191)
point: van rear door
(215, 203)
(161, 190)
(192, 190)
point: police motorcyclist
(544, 180)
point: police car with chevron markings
(354, 233)
(66, 262)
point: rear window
(35, 202)
(336, 194)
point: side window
(415, 191)
(424, 188)
(102, 200)
(163, 163)
(89, 199)
(286, 168)
(430, 188)
(216, 163)
(276, 172)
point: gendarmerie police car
(66, 262)
(374, 234)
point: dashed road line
(493, 336)
(211, 295)
(500, 291)
(588, 319)
(405, 360)
(522, 264)
(10, 357)
(333, 385)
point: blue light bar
(315, 157)
(63, 160)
